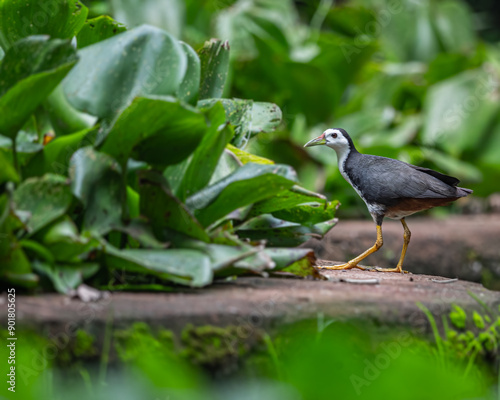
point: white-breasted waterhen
(390, 188)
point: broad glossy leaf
(111, 73)
(64, 118)
(164, 210)
(206, 156)
(65, 278)
(287, 199)
(248, 184)
(141, 231)
(98, 29)
(282, 233)
(96, 181)
(28, 74)
(184, 266)
(160, 129)
(228, 163)
(46, 199)
(214, 57)
(189, 87)
(64, 242)
(248, 117)
(57, 18)
(235, 259)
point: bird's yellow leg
(406, 238)
(354, 262)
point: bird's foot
(341, 266)
(397, 269)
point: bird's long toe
(341, 266)
(397, 269)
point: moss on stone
(212, 345)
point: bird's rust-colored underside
(412, 205)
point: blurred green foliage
(318, 359)
(408, 79)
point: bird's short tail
(462, 192)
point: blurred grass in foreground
(308, 360)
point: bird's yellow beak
(316, 141)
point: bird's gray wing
(384, 180)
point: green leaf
(46, 199)
(111, 73)
(246, 157)
(309, 213)
(63, 240)
(63, 117)
(29, 72)
(57, 153)
(56, 18)
(249, 184)
(160, 129)
(214, 57)
(299, 262)
(98, 29)
(7, 170)
(206, 156)
(14, 265)
(235, 259)
(248, 117)
(65, 278)
(142, 232)
(282, 233)
(458, 317)
(287, 199)
(478, 320)
(453, 21)
(96, 181)
(228, 163)
(164, 210)
(189, 87)
(452, 165)
(166, 14)
(187, 267)
(457, 106)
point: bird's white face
(335, 140)
(332, 138)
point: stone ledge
(465, 246)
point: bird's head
(336, 138)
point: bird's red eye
(334, 136)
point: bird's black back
(386, 181)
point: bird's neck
(343, 154)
